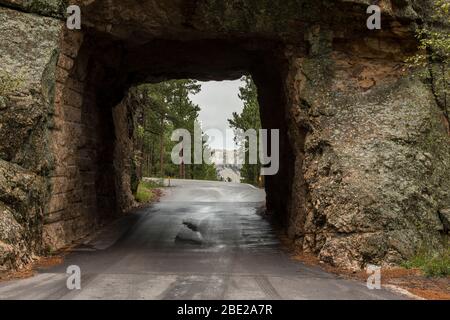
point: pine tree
(248, 119)
(167, 108)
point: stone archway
(365, 146)
(94, 118)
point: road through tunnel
(104, 70)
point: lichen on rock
(21, 214)
(29, 44)
(377, 167)
(51, 8)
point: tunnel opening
(93, 130)
(189, 129)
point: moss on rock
(50, 8)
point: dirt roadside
(413, 281)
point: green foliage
(145, 191)
(167, 108)
(204, 172)
(143, 195)
(54, 8)
(152, 184)
(434, 48)
(433, 264)
(249, 118)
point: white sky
(218, 100)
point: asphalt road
(204, 240)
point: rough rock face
(28, 51)
(375, 160)
(376, 170)
(126, 164)
(365, 143)
(53, 8)
(21, 213)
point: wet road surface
(204, 240)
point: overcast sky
(218, 100)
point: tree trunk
(161, 151)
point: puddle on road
(189, 234)
(191, 225)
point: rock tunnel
(364, 170)
(106, 68)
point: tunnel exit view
(224, 150)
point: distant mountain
(227, 164)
